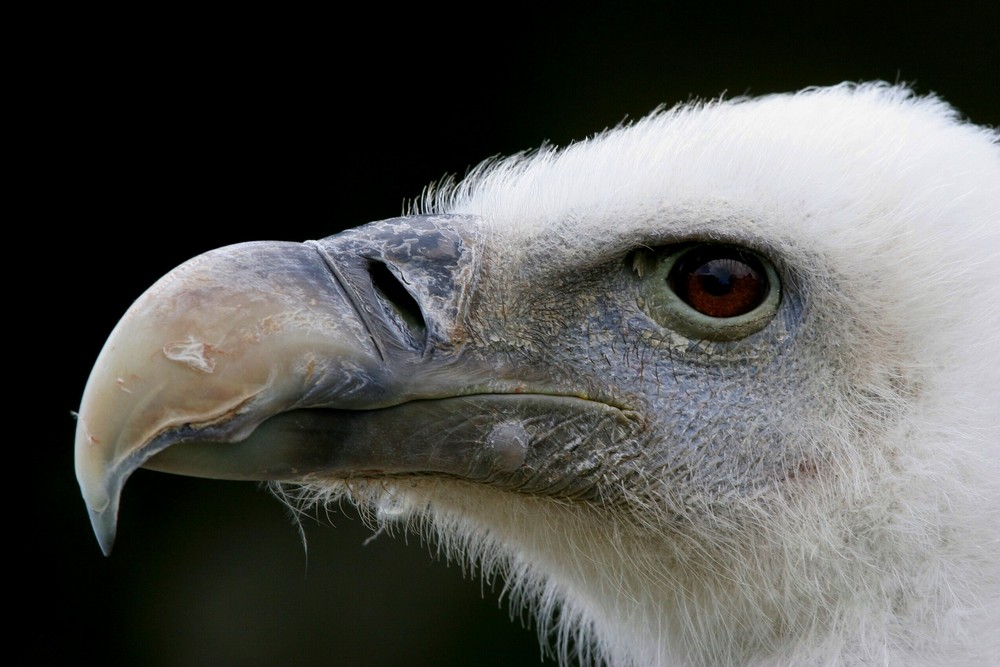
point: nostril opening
(398, 301)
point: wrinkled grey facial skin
(652, 400)
(406, 347)
(697, 413)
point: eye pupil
(719, 281)
(717, 277)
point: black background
(153, 137)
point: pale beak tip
(104, 524)
(101, 487)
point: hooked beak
(330, 359)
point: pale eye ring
(708, 291)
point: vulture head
(718, 387)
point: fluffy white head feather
(885, 547)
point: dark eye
(708, 291)
(719, 281)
